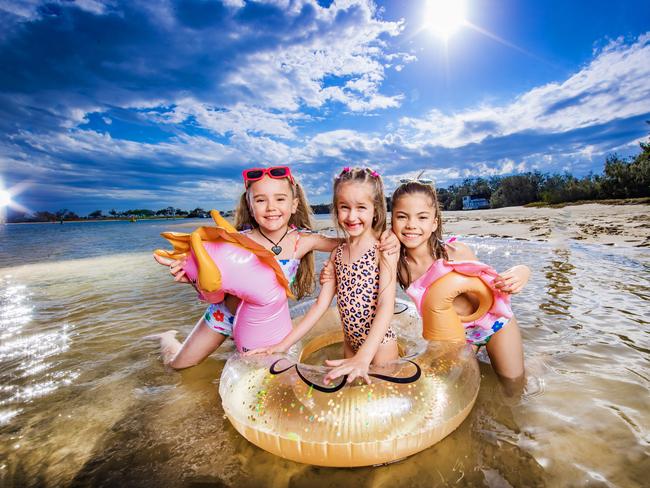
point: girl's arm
(457, 251)
(511, 281)
(175, 267)
(315, 312)
(317, 242)
(358, 365)
(177, 271)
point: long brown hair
(360, 176)
(436, 244)
(302, 218)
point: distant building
(471, 203)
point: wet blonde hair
(361, 176)
(302, 218)
(436, 244)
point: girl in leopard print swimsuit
(365, 279)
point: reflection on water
(558, 275)
(84, 401)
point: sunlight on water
(84, 400)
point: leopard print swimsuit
(357, 286)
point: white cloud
(338, 143)
(293, 74)
(238, 119)
(613, 85)
(234, 3)
(187, 151)
(29, 10)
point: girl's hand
(175, 268)
(389, 243)
(267, 351)
(327, 273)
(355, 367)
(513, 280)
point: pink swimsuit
(479, 331)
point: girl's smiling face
(272, 203)
(354, 208)
(414, 219)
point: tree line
(621, 178)
(138, 213)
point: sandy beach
(595, 223)
(612, 225)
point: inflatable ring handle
(403, 308)
(323, 389)
(272, 369)
(391, 379)
(394, 379)
(309, 383)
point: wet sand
(594, 223)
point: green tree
(517, 190)
(45, 216)
(197, 213)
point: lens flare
(5, 198)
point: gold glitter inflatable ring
(281, 404)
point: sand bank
(612, 225)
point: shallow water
(84, 401)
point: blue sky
(144, 104)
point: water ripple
(70, 343)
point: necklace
(276, 249)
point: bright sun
(5, 198)
(444, 17)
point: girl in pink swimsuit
(424, 257)
(276, 213)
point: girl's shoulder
(337, 252)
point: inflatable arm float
(435, 291)
(221, 260)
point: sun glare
(5, 198)
(444, 17)
(8, 196)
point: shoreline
(94, 221)
(610, 224)
(594, 223)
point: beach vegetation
(622, 178)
